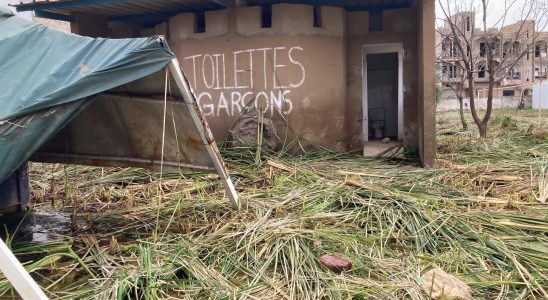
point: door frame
(382, 49)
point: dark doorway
(382, 95)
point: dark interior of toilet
(382, 95)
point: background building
(510, 43)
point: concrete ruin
(331, 75)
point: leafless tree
(457, 85)
(472, 52)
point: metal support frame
(348, 5)
(27, 288)
(224, 3)
(14, 191)
(64, 4)
(149, 16)
(203, 128)
(54, 16)
(138, 162)
(67, 4)
(14, 271)
(61, 10)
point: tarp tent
(67, 98)
(73, 99)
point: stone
(386, 140)
(442, 286)
(336, 262)
(244, 133)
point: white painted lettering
(208, 85)
(265, 59)
(208, 109)
(238, 71)
(236, 99)
(193, 66)
(223, 104)
(275, 67)
(288, 103)
(217, 67)
(220, 98)
(303, 70)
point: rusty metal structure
(157, 11)
(96, 102)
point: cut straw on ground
(481, 216)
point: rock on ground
(244, 133)
(336, 262)
(442, 286)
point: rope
(161, 191)
(164, 126)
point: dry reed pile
(481, 216)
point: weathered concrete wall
(122, 30)
(97, 26)
(307, 79)
(60, 25)
(293, 71)
(481, 103)
(426, 87)
(400, 26)
(89, 25)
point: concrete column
(427, 83)
(89, 25)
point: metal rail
(203, 128)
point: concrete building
(57, 24)
(338, 74)
(510, 42)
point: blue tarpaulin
(47, 77)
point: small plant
(543, 184)
(411, 153)
(508, 123)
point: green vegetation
(482, 216)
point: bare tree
(490, 54)
(455, 80)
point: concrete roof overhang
(157, 11)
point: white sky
(4, 4)
(495, 9)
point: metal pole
(18, 276)
(205, 132)
(540, 93)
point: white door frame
(380, 49)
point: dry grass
(481, 216)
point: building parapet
(249, 21)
